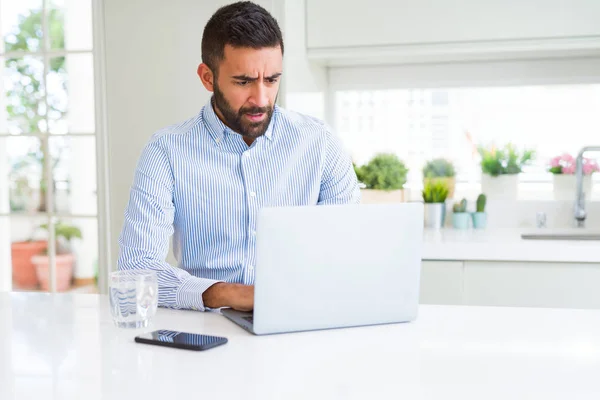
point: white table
(65, 347)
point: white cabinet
(529, 284)
(441, 282)
(354, 23)
(511, 284)
(356, 32)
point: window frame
(99, 134)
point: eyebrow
(250, 79)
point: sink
(562, 234)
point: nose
(259, 96)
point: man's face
(245, 88)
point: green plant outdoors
(435, 192)
(504, 161)
(26, 104)
(385, 171)
(480, 203)
(439, 168)
(63, 234)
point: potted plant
(24, 275)
(460, 216)
(383, 178)
(64, 233)
(441, 169)
(480, 216)
(564, 180)
(500, 169)
(435, 194)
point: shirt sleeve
(339, 184)
(148, 226)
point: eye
(271, 80)
(242, 83)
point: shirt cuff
(189, 295)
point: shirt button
(252, 194)
(246, 154)
(218, 140)
(253, 233)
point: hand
(234, 295)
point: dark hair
(241, 24)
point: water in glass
(133, 297)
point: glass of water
(133, 297)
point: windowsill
(528, 191)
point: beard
(234, 119)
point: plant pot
(24, 275)
(449, 181)
(565, 186)
(461, 220)
(435, 215)
(64, 271)
(479, 220)
(501, 187)
(372, 196)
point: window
(420, 124)
(47, 146)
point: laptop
(335, 266)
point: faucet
(580, 213)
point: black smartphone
(181, 340)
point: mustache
(255, 110)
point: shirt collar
(218, 129)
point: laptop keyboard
(249, 319)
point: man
(204, 180)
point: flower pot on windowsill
(64, 271)
(564, 186)
(461, 220)
(479, 220)
(24, 275)
(373, 196)
(501, 187)
(435, 215)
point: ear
(206, 76)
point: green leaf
(506, 160)
(438, 168)
(385, 171)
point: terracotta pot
(24, 275)
(64, 271)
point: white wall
(304, 83)
(152, 51)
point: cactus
(460, 207)
(481, 200)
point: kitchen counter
(504, 245)
(64, 346)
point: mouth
(255, 117)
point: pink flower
(567, 164)
(568, 158)
(555, 162)
(589, 166)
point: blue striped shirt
(201, 184)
